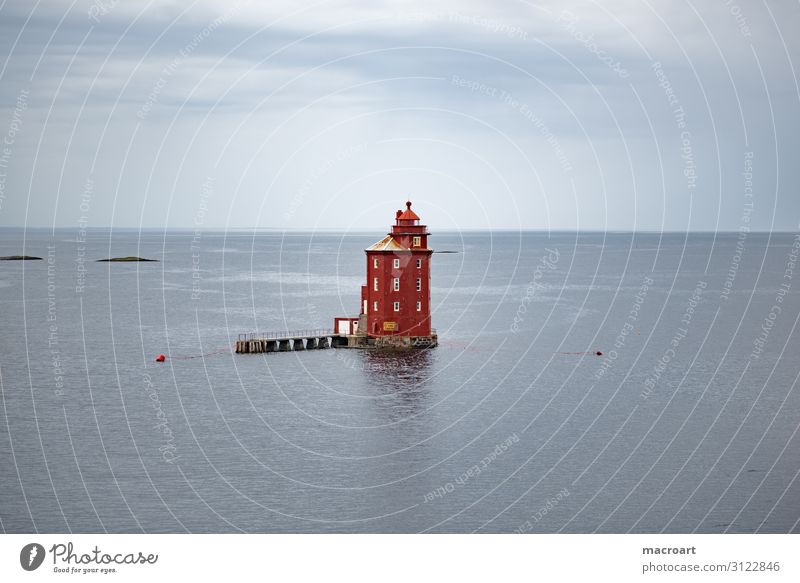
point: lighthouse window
(397, 306)
(375, 284)
(417, 241)
(374, 306)
(419, 284)
(419, 263)
(397, 264)
(396, 284)
(419, 306)
(375, 263)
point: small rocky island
(20, 258)
(126, 259)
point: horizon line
(277, 230)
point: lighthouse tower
(396, 300)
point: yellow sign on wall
(389, 326)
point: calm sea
(688, 421)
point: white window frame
(396, 284)
(397, 306)
(419, 284)
(419, 306)
(419, 263)
(375, 284)
(375, 262)
(417, 241)
(375, 306)
(397, 264)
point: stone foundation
(403, 342)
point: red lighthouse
(396, 300)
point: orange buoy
(161, 358)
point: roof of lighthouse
(408, 215)
(388, 243)
(407, 223)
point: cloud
(263, 93)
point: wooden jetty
(287, 341)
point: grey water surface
(687, 421)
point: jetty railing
(308, 333)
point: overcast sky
(327, 115)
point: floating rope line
(222, 350)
